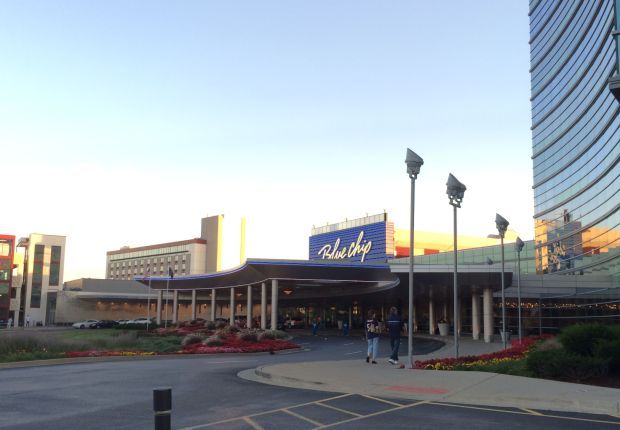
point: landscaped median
(583, 353)
(197, 338)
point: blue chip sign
(360, 244)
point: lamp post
(414, 162)
(502, 225)
(170, 275)
(519, 247)
(148, 300)
(456, 192)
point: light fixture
(288, 291)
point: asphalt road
(208, 394)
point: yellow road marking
(228, 420)
(529, 411)
(338, 409)
(382, 400)
(301, 417)
(252, 424)
(361, 417)
(588, 420)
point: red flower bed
(232, 344)
(516, 351)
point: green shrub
(227, 331)
(248, 335)
(558, 363)
(609, 350)
(220, 325)
(214, 341)
(210, 325)
(272, 334)
(191, 339)
(581, 339)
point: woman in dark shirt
(372, 334)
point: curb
(81, 360)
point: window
(55, 266)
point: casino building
(575, 137)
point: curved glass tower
(575, 136)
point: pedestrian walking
(9, 323)
(372, 335)
(395, 327)
(27, 320)
(315, 326)
(345, 328)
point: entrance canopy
(308, 276)
(289, 273)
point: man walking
(395, 326)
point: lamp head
(455, 191)
(502, 225)
(519, 244)
(414, 162)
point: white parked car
(140, 321)
(85, 324)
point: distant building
(7, 251)
(185, 257)
(41, 273)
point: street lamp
(502, 225)
(519, 247)
(456, 192)
(414, 162)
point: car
(121, 322)
(105, 324)
(141, 320)
(85, 324)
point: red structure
(7, 250)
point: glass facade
(37, 276)
(575, 137)
(55, 266)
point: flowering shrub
(517, 351)
(234, 344)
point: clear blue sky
(125, 122)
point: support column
(213, 304)
(232, 306)
(487, 313)
(175, 306)
(248, 313)
(446, 314)
(475, 315)
(160, 295)
(415, 317)
(274, 304)
(431, 313)
(350, 317)
(193, 305)
(263, 306)
(459, 315)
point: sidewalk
(472, 388)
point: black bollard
(162, 405)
